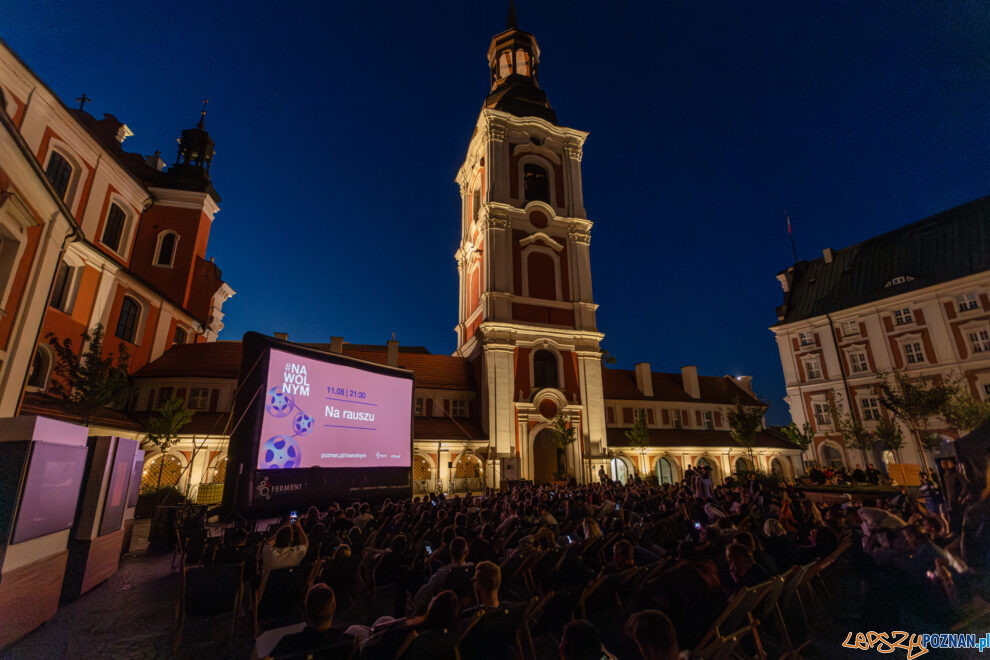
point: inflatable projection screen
(310, 426)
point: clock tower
(526, 311)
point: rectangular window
(814, 368)
(871, 409)
(458, 408)
(903, 316)
(418, 410)
(199, 398)
(850, 328)
(986, 390)
(164, 395)
(62, 288)
(709, 423)
(979, 341)
(858, 362)
(967, 301)
(675, 418)
(822, 415)
(806, 339)
(913, 353)
(113, 230)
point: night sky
(340, 128)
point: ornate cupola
(513, 60)
(195, 149)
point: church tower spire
(513, 62)
(527, 314)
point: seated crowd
(593, 571)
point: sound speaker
(510, 468)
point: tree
(163, 429)
(744, 422)
(854, 434)
(90, 382)
(800, 437)
(963, 411)
(607, 358)
(639, 434)
(889, 434)
(564, 434)
(914, 401)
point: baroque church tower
(526, 312)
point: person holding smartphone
(286, 548)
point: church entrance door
(547, 458)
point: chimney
(689, 376)
(283, 336)
(336, 344)
(155, 161)
(393, 352)
(828, 254)
(644, 379)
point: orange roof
(621, 384)
(222, 359)
(36, 403)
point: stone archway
(547, 457)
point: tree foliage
(639, 434)
(889, 434)
(963, 411)
(744, 422)
(914, 401)
(164, 427)
(563, 431)
(89, 382)
(800, 437)
(607, 358)
(854, 434)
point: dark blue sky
(340, 127)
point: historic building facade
(916, 299)
(91, 234)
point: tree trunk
(161, 467)
(921, 448)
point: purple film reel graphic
(303, 423)
(278, 403)
(280, 453)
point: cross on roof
(83, 100)
(202, 114)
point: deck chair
(208, 591)
(487, 636)
(555, 610)
(280, 596)
(344, 650)
(722, 648)
(430, 645)
(737, 614)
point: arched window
(113, 230)
(544, 369)
(620, 472)
(831, 457)
(536, 183)
(742, 466)
(41, 366)
(180, 336)
(127, 322)
(777, 468)
(162, 471)
(165, 254)
(59, 173)
(665, 473)
(468, 467)
(219, 471)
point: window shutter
(697, 417)
(649, 415)
(684, 417)
(718, 418)
(181, 393)
(919, 316)
(214, 398)
(627, 415)
(151, 399)
(610, 412)
(446, 406)
(665, 416)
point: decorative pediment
(540, 236)
(530, 148)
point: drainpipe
(845, 383)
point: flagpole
(790, 235)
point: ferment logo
(296, 381)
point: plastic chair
(429, 645)
(488, 634)
(722, 648)
(738, 613)
(280, 596)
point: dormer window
(903, 316)
(900, 279)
